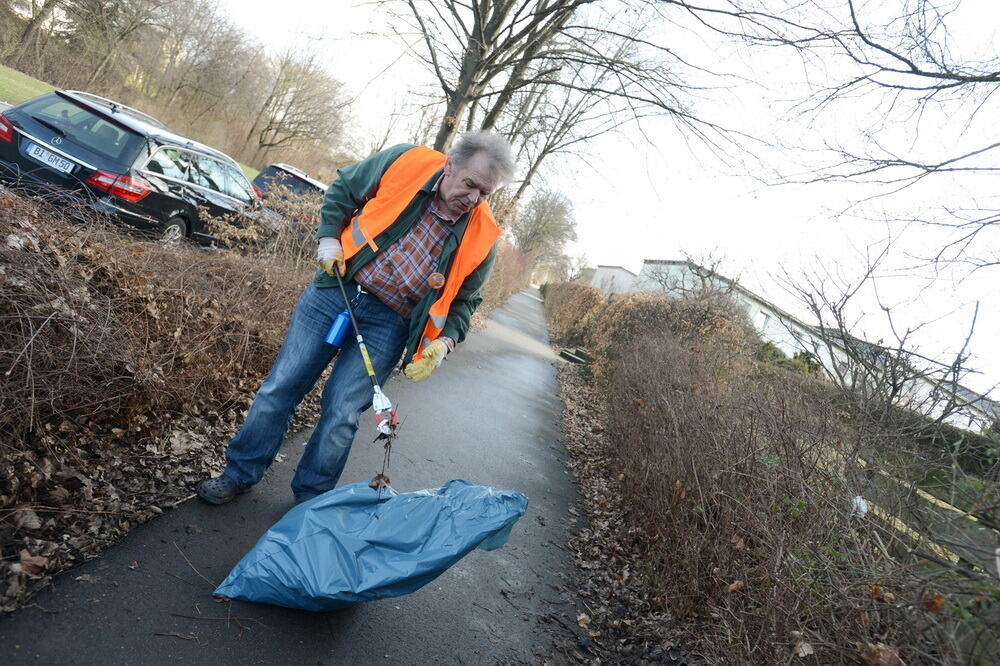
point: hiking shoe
(219, 490)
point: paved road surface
(489, 416)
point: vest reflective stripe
(476, 244)
(399, 184)
(358, 236)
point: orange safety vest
(397, 187)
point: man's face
(464, 187)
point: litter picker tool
(386, 419)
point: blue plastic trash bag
(333, 551)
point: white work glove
(330, 254)
(430, 359)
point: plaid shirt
(399, 275)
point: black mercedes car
(86, 150)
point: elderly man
(414, 239)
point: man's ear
(447, 166)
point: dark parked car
(295, 180)
(84, 149)
(298, 187)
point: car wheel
(174, 231)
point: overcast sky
(655, 195)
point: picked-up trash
(355, 544)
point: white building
(613, 280)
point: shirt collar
(437, 211)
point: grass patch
(249, 171)
(16, 87)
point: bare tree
(543, 120)
(187, 63)
(102, 26)
(200, 57)
(26, 45)
(920, 66)
(543, 228)
(469, 47)
(483, 54)
(881, 378)
(303, 103)
(700, 280)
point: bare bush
(284, 231)
(566, 305)
(122, 327)
(126, 366)
(609, 330)
(778, 516)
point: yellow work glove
(430, 359)
(330, 254)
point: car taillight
(6, 130)
(129, 188)
(257, 191)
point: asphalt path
(490, 415)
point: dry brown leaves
(879, 654)
(126, 367)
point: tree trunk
(526, 182)
(449, 124)
(30, 30)
(99, 70)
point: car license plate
(49, 158)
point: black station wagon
(86, 150)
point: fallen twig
(483, 607)
(183, 580)
(504, 593)
(214, 585)
(219, 619)
(173, 505)
(174, 634)
(44, 610)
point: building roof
(736, 287)
(618, 268)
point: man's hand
(430, 359)
(330, 255)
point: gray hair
(497, 151)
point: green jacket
(354, 186)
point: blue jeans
(303, 357)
